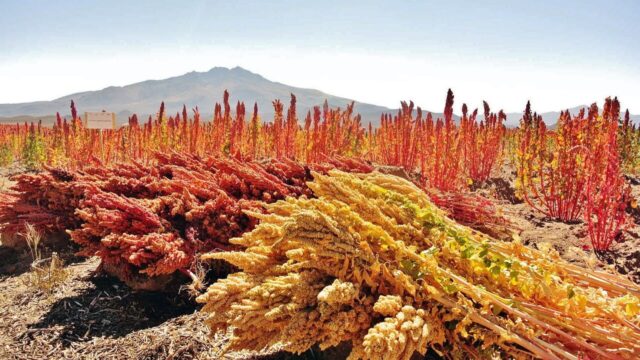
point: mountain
(201, 89)
(21, 119)
(204, 89)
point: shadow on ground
(16, 260)
(108, 309)
(340, 352)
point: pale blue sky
(556, 53)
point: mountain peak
(236, 69)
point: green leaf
(450, 289)
(484, 251)
(495, 270)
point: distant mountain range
(203, 89)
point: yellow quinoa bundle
(372, 261)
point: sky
(558, 54)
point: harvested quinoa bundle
(372, 261)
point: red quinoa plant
(68, 143)
(606, 191)
(482, 142)
(551, 172)
(575, 172)
(629, 145)
(441, 151)
(400, 139)
(443, 169)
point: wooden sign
(100, 120)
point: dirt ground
(570, 240)
(94, 317)
(91, 316)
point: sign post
(100, 120)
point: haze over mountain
(203, 89)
